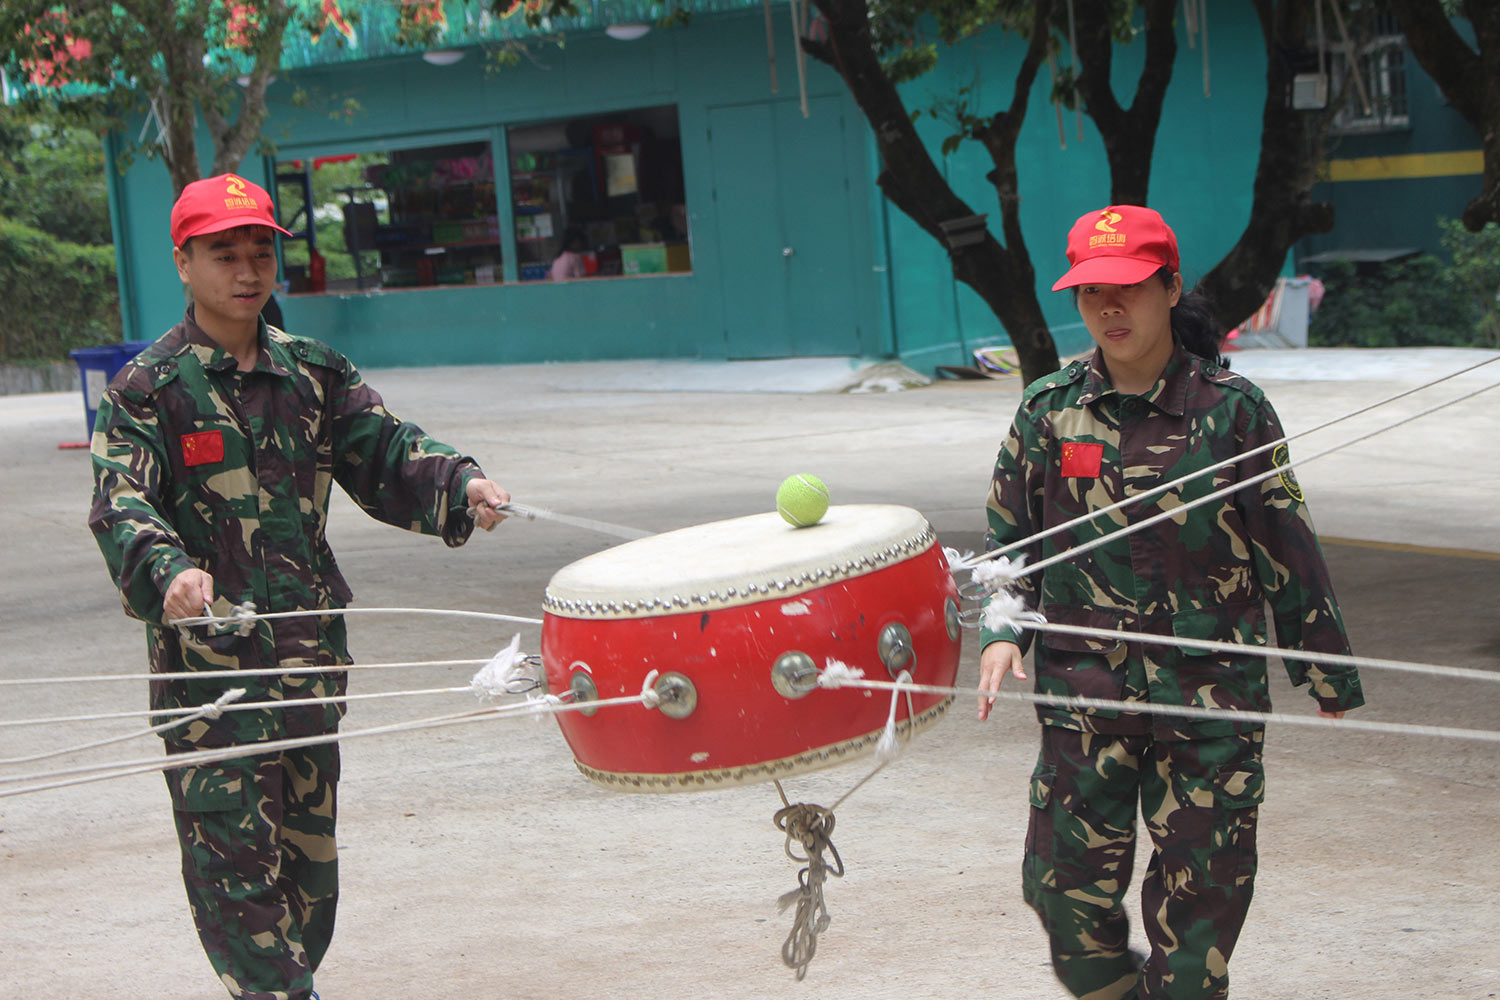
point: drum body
(737, 616)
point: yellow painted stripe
(1426, 550)
(1384, 168)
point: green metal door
(781, 201)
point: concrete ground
(477, 862)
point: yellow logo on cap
(1106, 226)
(235, 196)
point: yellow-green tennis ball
(802, 500)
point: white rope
(1153, 491)
(240, 707)
(1180, 509)
(587, 523)
(650, 697)
(212, 710)
(242, 615)
(504, 674)
(1188, 711)
(1033, 620)
(886, 747)
(186, 675)
(504, 671)
(103, 772)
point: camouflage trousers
(1199, 800)
(260, 866)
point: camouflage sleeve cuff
(1336, 692)
(1021, 637)
(465, 472)
(166, 565)
(458, 525)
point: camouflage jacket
(1078, 445)
(198, 465)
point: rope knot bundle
(811, 826)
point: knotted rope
(812, 827)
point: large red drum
(738, 616)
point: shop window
(399, 219)
(599, 196)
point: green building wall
(879, 286)
(1414, 181)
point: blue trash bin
(96, 366)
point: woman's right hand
(998, 659)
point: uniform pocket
(1217, 678)
(1061, 614)
(207, 789)
(210, 811)
(1036, 868)
(1239, 790)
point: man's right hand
(998, 659)
(187, 595)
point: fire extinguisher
(317, 271)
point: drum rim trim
(742, 594)
(805, 762)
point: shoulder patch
(1281, 457)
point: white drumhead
(739, 561)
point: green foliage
(57, 295)
(52, 177)
(112, 61)
(57, 262)
(910, 62)
(1475, 273)
(1422, 302)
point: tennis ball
(802, 500)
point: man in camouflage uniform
(214, 454)
(1144, 410)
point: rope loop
(650, 697)
(810, 826)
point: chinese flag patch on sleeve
(1081, 459)
(202, 448)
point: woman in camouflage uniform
(1152, 404)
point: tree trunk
(1291, 154)
(1000, 274)
(1470, 81)
(1129, 134)
(233, 141)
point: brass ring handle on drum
(677, 697)
(794, 674)
(895, 648)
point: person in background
(569, 261)
(271, 313)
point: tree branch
(1443, 53)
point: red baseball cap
(215, 204)
(1118, 245)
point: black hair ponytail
(1194, 324)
